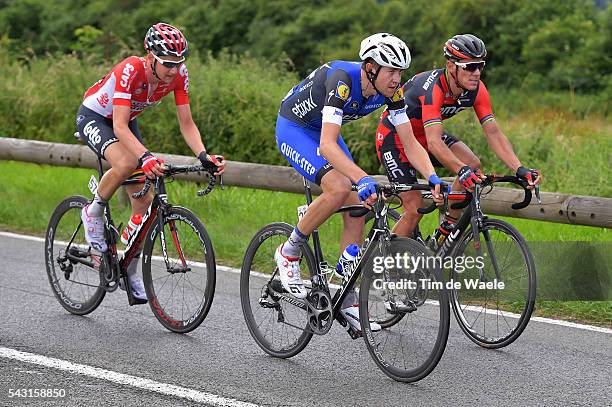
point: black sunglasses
(471, 66)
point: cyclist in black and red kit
(432, 97)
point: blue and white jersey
(332, 94)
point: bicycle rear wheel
(494, 317)
(179, 270)
(413, 293)
(280, 328)
(72, 269)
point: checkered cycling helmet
(386, 50)
(165, 40)
(464, 46)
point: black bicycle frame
(474, 217)
(351, 275)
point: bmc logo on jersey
(129, 68)
(92, 133)
(430, 80)
(342, 91)
(451, 110)
(103, 100)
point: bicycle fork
(478, 226)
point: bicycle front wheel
(406, 287)
(179, 270)
(280, 328)
(72, 269)
(497, 294)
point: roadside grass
(30, 192)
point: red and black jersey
(429, 101)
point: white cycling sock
(96, 208)
(291, 248)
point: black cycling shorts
(97, 131)
(398, 167)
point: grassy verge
(30, 192)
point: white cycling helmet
(386, 49)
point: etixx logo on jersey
(342, 91)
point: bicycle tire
(394, 216)
(157, 273)
(64, 222)
(427, 323)
(251, 280)
(462, 313)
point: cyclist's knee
(336, 186)
(125, 168)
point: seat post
(315, 233)
(100, 169)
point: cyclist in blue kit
(308, 135)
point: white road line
(124, 379)
(234, 270)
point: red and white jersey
(127, 85)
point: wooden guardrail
(560, 208)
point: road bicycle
(283, 325)
(495, 297)
(178, 261)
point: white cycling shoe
(289, 271)
(137, 286)
(351, 314)
(94, 230)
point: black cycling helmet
(464, 46)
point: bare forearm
(440, 150)
(502, 148)
(127, 138)
(446, 157)
(418, 156)
(192, 137)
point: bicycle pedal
(111, 286)
(353, 333)
(136, 301)
(402, 308)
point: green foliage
(556, 132)
(548, 44)
(88, 40)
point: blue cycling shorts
(300, 146)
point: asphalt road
(549, 364)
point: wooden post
(555, 207)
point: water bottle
(131, 228)
(442, 231)
(347, 257)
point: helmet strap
(456, 79)
(372, 77)
(153, 70)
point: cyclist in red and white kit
(106, 121)
(432, 97)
